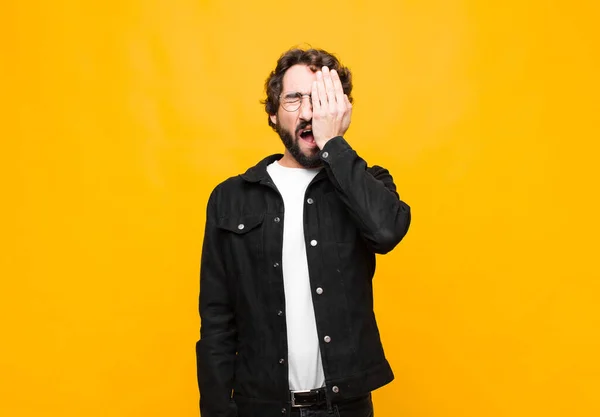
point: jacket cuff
(334, 148)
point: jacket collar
(258, 173)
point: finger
(348, 114)
(339, 90)
(348, 106)
(322, 92)
(347, 100)
(314, 94)
(331, 99)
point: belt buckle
(294, 398)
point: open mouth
(307, 135)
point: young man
(286, 302)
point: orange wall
(119, 117)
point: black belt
(308, 398)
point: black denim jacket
(351, 212)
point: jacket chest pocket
(244, 237)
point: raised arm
(369, 195)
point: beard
(291, 143)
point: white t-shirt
(304, 356)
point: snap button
(281, 361)
(335, 389)
(283, 411)
(276, 265)
(325, 154)
(313, 243)
(319, 290)
(277, 219)
(310, 201)
(327, 339)
(241, 226)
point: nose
(306, 108)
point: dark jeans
(356, 407)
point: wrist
(322, 142)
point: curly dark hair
(315, 59)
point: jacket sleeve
(369, 194)
(216, 349)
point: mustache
(303, 124)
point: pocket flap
(240, 224)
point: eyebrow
(293, 94)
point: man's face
(294, 127)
